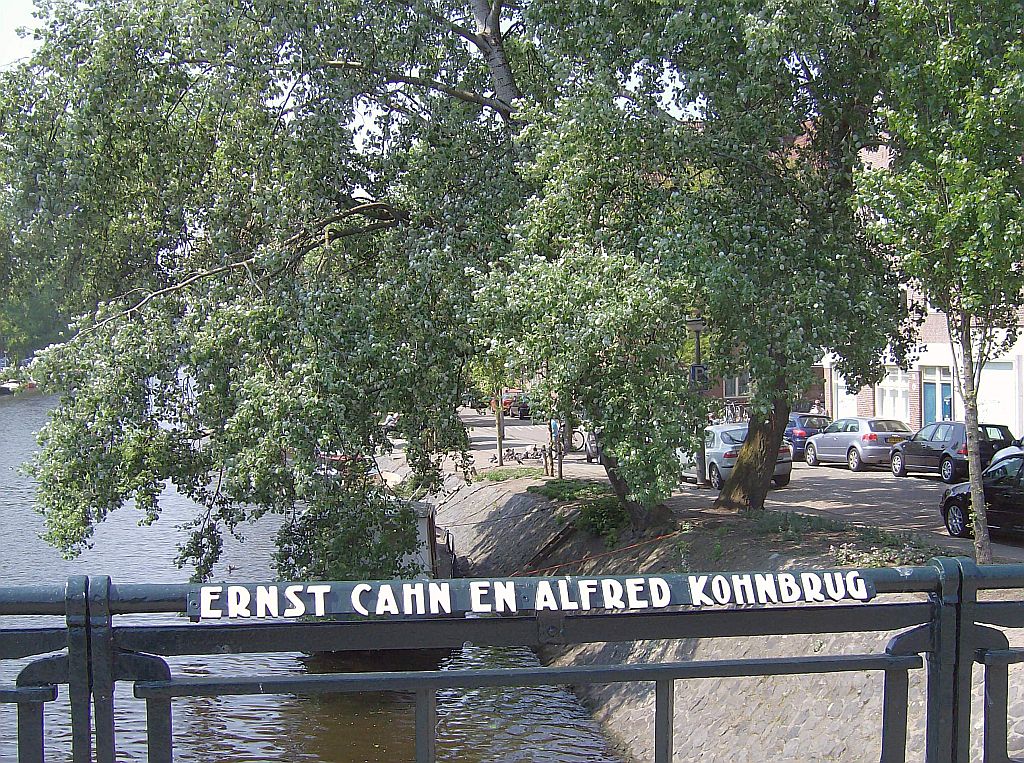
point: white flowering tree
(279, 223)
(701, 162)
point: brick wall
(830, 387)
(866, 401)
(934, 328)
(914, 385)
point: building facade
(928, 390)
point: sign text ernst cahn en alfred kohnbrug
(514, 595)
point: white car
(1017, 446)
(722, 443)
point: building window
(738, 386)
(892, 395)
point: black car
(801, 426)
(942, 447)
(1004, 498)
(521, 407)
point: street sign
(513, 595)
(699, 376)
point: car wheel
(781, 481)
(899, 469)
(948, 470)
(854, 460)
(956, 521)
(811, 456)
(715, 477)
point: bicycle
(577, 439)
(736, 413)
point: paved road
(877, 498)
(872, 497)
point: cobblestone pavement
(879, 499)
(790, 718)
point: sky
(14, 14)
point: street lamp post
(698, 376)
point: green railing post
(79, 676)
(101, 658)
(940, 731)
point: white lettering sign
(768, 588)
(511, 596)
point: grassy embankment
(599, 539)
(712, 541)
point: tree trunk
(492, 47)
(748, 484)
(499, 421)
(559, 444)
(979, 513)
(639, 517)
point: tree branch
(379, 210)
(168, 290)
(451, 26)
(335, 234)
(494, 17)
(455, 92)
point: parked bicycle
(736, 413)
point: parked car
(510, 402)
(857, 441)
(802, 426)
(1003, 483)
(722, 443)
(1017, 446)
(942, 447)
(521, 406)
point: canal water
(477, 726)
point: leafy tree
(273, 220)
(599, 308)
(261, 214)
(491, 372)
(949, 208)
(758, 112)
(30, 319)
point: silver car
(722, 443)
(1017, 446)
(857, 441)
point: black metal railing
(947, 629)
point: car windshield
(814, 422)
(1004, 470)
(734, 436)
(889, 425)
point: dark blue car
(800, 427)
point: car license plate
(893, 439)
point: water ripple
(539, 725)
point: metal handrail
(945, 627)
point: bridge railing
(946, 628)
